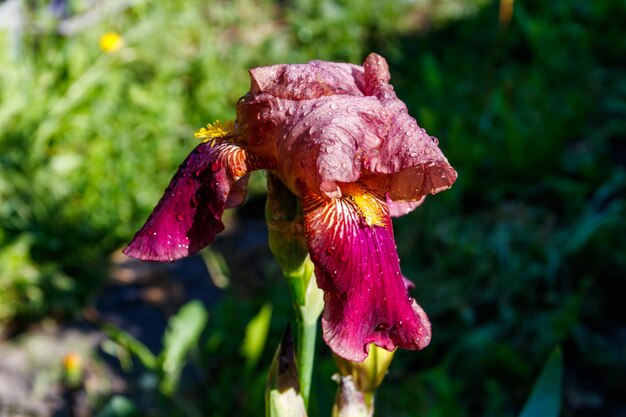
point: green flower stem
(287, 241)
(308, 303)
(306, 358)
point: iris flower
(339, 138)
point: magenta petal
(189, 214)
(366, 299)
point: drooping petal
(366, 299)
(188, 216)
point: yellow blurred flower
(72, 362)
(72, 369)
(111, 42)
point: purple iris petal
(189, 214)
(365, 295)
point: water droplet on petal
(333, 106)
(180, 217)
(352, 110)
(381, 327)
(291, 111)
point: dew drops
(381, 327)
(180, 217)
(333, 106)
(291, 111)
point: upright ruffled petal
(324, 141)
(307, 81)
(366, 300)
(188, 216)
(412, 158)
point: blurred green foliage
(527, 251)
(163, 371)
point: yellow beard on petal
(367, 204)
(215, 130)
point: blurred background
(524, 256)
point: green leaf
(128, 342)
(182, 334)
(256, 335)
(118, 406)
(545, 398)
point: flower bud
(358, 382)
(282, 394)
(350, 402)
